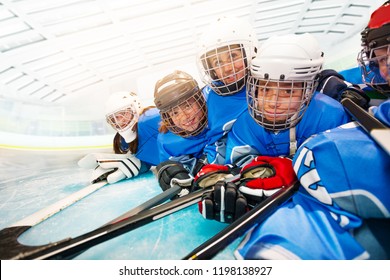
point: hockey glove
(210, 174)
(113, 167)
(333, 84)
(224, 204)
(356, 95)
(172, 173)
(264, 176)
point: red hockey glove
(264, 176)
(210, 174)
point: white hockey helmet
(224, 35)
(122, 113)
(289, 62)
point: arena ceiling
(64, 51)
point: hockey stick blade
(69, 247)
(8, 236)
(377, 130)
(258, 214)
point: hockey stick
(377, 130)
(258, 214)
(70, 247)
(54, 208)
(11, 248)
(58, 206)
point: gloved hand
(210, 174)
(264, 176)
(334, 85)
(356, 95)
(171, 173)
(224, 204)
(113, 167)
(259, 179)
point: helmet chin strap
(129, 135)
(232, 88)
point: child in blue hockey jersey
(135, 143)
(223, 58)
(186, 139)
(284, 110)
(343, 206)
(372, 73)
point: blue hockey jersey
(344, 177)
(222, 113)
(147, 132)
(249, 138)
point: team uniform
(247, 138)
(329, 210)
(352, 75)
(211, 142)
(342, 208)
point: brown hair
(133, 145)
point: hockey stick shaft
(54, 208)
(377, 130)
(70, 247)
(258, 214)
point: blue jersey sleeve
(148, 124)
(346, 171)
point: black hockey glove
(333, 84)
(224, 203)
(356, 95)
(171, 173)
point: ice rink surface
(31, 181)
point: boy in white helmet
(135, 143)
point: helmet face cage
(123, 119)
(375, 68)
(278, 104)
(374, 57)
(225, 68)
(188, 117)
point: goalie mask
(224, 54)
(181, 103)
(374, 58)
(283, 78)
(122, 113)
